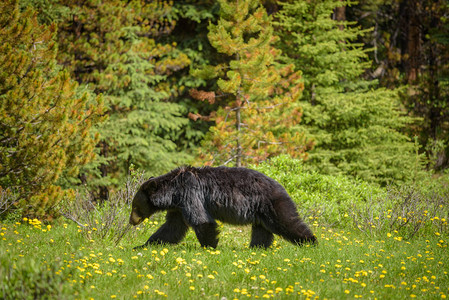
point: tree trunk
(103, 190)
(340, 15)
(413, 41)
(238, 158)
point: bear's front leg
(207, 234)
(172, 232)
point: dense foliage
(352, 89)
(113, 47)
(44, 125)
(412, 48)
(357, 126)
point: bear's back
(236, 177)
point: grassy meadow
(58, 260)
(373, 244)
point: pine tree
(114, 48)
(190, 36)
(44, 127)
(356, 125)
(258, 113)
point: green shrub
(326, 197)
(27, 278)
(107, 220)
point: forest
(344, 103)
(93, 89)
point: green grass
(60, 262)
(374, 243)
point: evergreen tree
(356, 125)
(44, 127)
(113, 48)
(190, 35)
(258, 114)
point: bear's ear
(189, 179)
(149, 185)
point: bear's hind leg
(171, 232)
(260, 237)
(207, 234)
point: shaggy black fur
(196, 197)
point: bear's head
(142, 207)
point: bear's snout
(134, 219)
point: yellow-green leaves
(45, 127)
(259, 113)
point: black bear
(197, 197)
